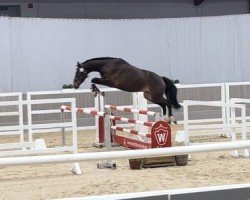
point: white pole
(74, 127)
(142, 153)
(140, 103)
(97, 107)
(227, 100)
(223, 109)
(20, 111)
(30, 131)
(186, 122)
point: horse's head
(80, 75)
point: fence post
(108, 144)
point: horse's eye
(81, 69)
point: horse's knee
(94, 80)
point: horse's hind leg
(161, 101)
(170, 115)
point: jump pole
(155, 152)
(155, 134)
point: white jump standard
(105, 126)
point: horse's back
(127, 77)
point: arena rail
(228, 93)
(225, 97)
(155, 152)
(227, 128)
(220, 86)
(12, 129)
(38, 146)
(137, 101)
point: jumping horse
(117, 73)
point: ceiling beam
(198, 2)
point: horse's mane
(96, 59)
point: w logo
(161, 135)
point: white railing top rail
(104, 89)
(70, 91)
(237, 83)
(10, 94)
(199, 85)
(50, 101)
(37, 101)
(211, 103)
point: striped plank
(134, 132)
(131, 110)
(123, 119)
(84, 110)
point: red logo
(161, 135)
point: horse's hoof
(95, 93)
(172, 119)
(167, 119)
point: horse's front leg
(100, 81)
(96, 90)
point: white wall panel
(44, 52)
(219, 49)
(243, 46)
(5, 58)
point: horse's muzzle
(76, 86)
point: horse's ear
(78, 63)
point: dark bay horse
(117, 73)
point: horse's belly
(130, 86)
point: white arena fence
(201, 92)
(237, 90)
(185, 92)
(87, 100)
(234, 118)
(240, 101)
(32, 147)
(196, 92)
(34, 127)
(195, 129)
(96, 103)
(11, 106)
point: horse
(118, 73)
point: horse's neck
(93, 67)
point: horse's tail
(171, 92)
